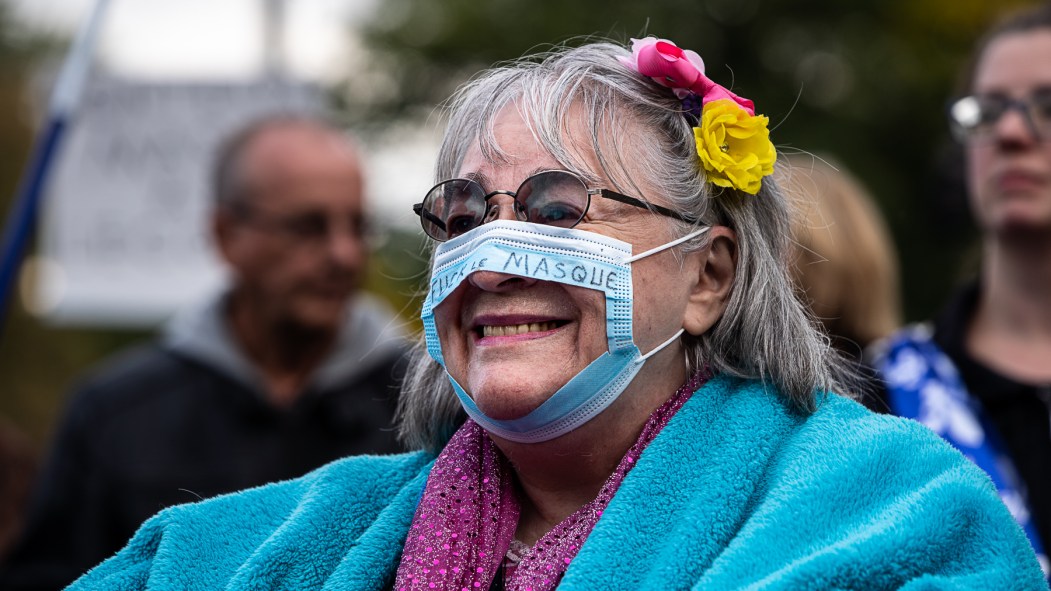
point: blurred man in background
(289, 368)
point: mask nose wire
(677, 242)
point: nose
(1015, 128)
(499, 282)
(501, 206)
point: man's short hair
(228, 184)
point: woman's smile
(494, 330)
(511, 343)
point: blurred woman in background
(980, 374)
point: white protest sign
(124, 238)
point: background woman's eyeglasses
(975, 117)
(554, 198)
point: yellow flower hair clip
(733, 143)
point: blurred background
(866, 82)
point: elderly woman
(649, 406)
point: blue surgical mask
(564, 255)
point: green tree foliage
(866, 82)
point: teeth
(514, 329)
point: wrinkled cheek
(443, 324)
(451, 337)
(655, 310)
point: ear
(715, 278)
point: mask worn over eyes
(565, 255)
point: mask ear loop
(677, 242)
(658, 348)
(634, 258)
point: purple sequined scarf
(467, 517)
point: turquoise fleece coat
(737, 492)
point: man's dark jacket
(185, 418)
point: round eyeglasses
(976, 116)
(553, 198)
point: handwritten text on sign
(127, 212)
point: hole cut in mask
(564, 255)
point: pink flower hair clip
(733, 143)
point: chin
(1021, 224)
(507, 399)
(321, 317)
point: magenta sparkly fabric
(468, 515)
(465, 520)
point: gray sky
(195, 39)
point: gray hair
(765, 332)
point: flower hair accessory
(733, 142)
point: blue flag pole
(64, 101)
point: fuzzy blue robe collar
(736, 492)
